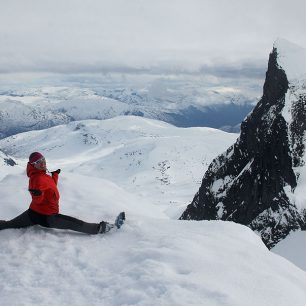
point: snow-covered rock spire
(254, 181)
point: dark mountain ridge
(252, 181)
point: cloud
(74, 35)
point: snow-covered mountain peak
(291, 58)
(260, 180)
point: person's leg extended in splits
(57, 221)
(20, 221)
(44, 207)
(60, 221)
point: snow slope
(150, 158)
(153, 259)
(150, 261)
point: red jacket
(44, 192)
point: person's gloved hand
(58, 171)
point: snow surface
(153, 259)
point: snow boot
(105, 227)
(120, 219)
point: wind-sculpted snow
(151, 260)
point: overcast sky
(88, 35)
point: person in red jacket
(44, 208)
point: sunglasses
(39, 161)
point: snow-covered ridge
(150, 261)
(148, 157)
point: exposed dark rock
(6, 160)
(9, 162)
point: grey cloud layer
(72, 35)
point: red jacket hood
(31, 170)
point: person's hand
(58, 171)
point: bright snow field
(150, 170)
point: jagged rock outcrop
(254, 181)
(5, 160)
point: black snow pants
(59, 221)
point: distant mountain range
(182, 102)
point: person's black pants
(59, 221)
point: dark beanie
(35, 156)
